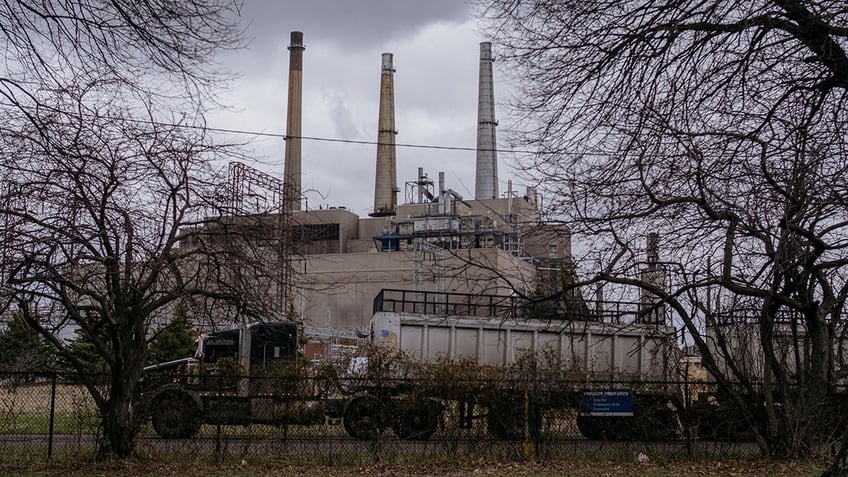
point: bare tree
(107, 171)
(721, 125)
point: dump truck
(253, 374)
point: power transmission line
(339, 140)
(244, 132)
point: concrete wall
(337, 278)
(338, 290)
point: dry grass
(262, 467)
(35, 397)
(73, 399)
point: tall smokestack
(486, 184)
(291, 174)
(652, 309)
(385, 183)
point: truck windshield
(215, 349)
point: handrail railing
(506, 306)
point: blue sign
(606, 402)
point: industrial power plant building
(438, 241)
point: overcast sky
(436, 54)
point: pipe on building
(486, 183)
(292, 171)
(385, 183)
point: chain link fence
(324, 421)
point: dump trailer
(626, 345)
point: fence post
(688, 415)
(52, 416)
(218, 454)
(527, 445)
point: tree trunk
(120, 424)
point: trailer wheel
(606, 428)
(723, 422)
(176, 414)
(417, 419)
(653, 422)
(365, 418)
(659, 423)
(506, 420)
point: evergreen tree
(85, 352)
(22, 349)
(174, 341)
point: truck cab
(266, 344)
(228, 381)
(256, 346)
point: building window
(315, 232)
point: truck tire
(417, 419)
(176, 414)
(365, 417)
(654, 420)
(607, 428)
(659, 422)
(506, 420)
(721, 421)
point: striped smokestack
(486, 182)
(291, 174)
(385, 183)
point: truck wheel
(506, 420)
(365, 418)
(417, 419)
(607, 428)
(652, 422)
(723, 423)
(658, 423)
(176, 414)
(589, 428)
